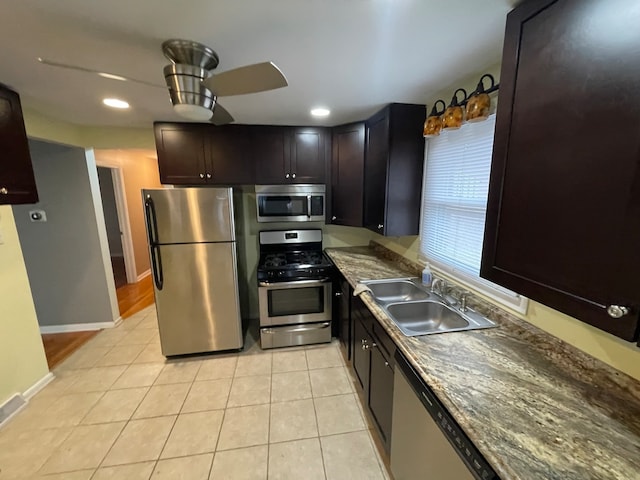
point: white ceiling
(352, 56)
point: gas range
(291, 255)
(294, 288)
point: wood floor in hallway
(131, 299)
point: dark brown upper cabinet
(347, 174)
(200, 154)
(290, 154)
(394, 160)
(17, 183)
(563, 216)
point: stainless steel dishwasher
(426, 443)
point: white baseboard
(116, 322)
(78, 327)
(144, 275)
(39, 385)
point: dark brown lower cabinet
(372, 360)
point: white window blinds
(455, 196)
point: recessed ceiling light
(115, 103)
(320, 112)
(112, 76)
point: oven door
(290, 207)
(288, 303)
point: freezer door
(189, 215)
(198, 308)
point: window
(454, 204)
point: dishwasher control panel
(470, 455)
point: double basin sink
(417, 311)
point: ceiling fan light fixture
(115, 103)
(193, 112)
(320, 112)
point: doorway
(116, 223)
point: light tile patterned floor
(119, 410)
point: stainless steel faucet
(439, 286)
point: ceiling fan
(193, 87)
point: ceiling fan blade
(111, 76)
(220, 115)
(258, 77)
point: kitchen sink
(416, 311)
(401, 290)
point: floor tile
(68, 410)
(142, 375)
(290, 386)
(244, 427)
(289, 361)
(259, 364)
(130, 449)
(152, 353)
(108, 338)
(350, 456)
(22, 452)
(193, 433)
(240, 464)
(162, 400)
(329, 381)
(324, 358)
(121, 355)
(298, 459)
(85, 357)
(135, 471)
(84, 448)
(184, 468)
(252, 390)
(214, 368)
(138, 337)
(97, 379)
(338, 414)
(292, 421)
(207, 395)
(116, 405)
(178, 372)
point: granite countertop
(535, 407)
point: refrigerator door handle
(156, 266)
(152, 231)
(152, 224)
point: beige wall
(22, 360)
(140, 170)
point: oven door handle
(294, 284)
(309, 206)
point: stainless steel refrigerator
(193, 263)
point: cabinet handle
(208, 175)
(374, 344)
(286, 176)
(617, 311)
(293, 175)
(334, 218)
(386, 364)
(380, 226)
(338, 294)
(4, 191)
(201, 175)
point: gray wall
(108, 195)
(63, 256)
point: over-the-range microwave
(290, 203)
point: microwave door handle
(309, 206)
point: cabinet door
(361, 354)
(347, 171)
(17, 183)
(271, 154)
(375, 173)
(308, 155)
(564, 199)
(231, 161)
(182, 153)
(381, 393)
